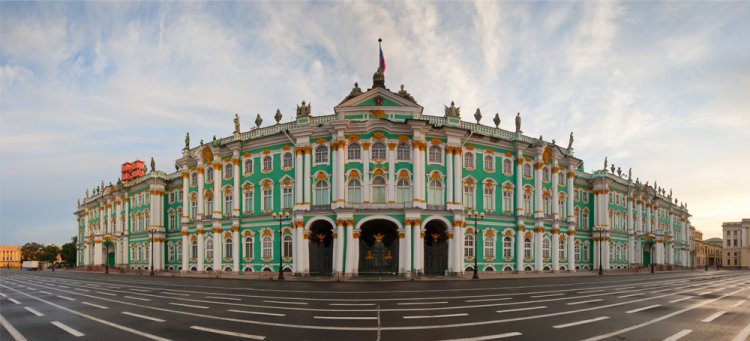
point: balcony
(378, 206)
(431, 207)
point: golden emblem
(379, 237)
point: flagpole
(380, 49)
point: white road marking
(705, 293)
(681, 299)
(106, 293)
(643, 308)
(95, 305)
(224, 298)
(225, 332)
(3, 295)
(68, 329)
(11, 330)
(66, 297)
(143, 316)
(571, 324)
(86, 290)
(33, 311)
(141, 290)
(352, 304)
(520, 309)
(739, 303)
(589, 291)
(631, 295)
(346, 317)
(421, 303)
(678, 335)
(286, 302)
(434, 316)
(744, 334)
(548, 295)
(586, 301)
(256, 312)
(44, 292)
(172, 293)
(138, 298)
(487, 337)
(490, 299)
(190, 305)
(713, 317)
(13, 300)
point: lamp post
(281, 217)
(107, 243)
(653, 255)
(600, 230)
(476, 216)
(152, 251)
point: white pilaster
(308, 177)
(457, 178)
(450, 185)
(519, 247)
(349, 269)
(185, 197)
(391, 190)
(366, 173)
(185, 249)
(571, 249)
(236, 171)
(201, 249)
(236, 246)
(538, 234)
(458, 249)
(218, 245)
(200, 194)
(218, 193)
(555, 247)
(298, 178)
(418, 247)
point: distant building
(714, 251)
(10, 256)
(737, 244)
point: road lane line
(678, 335)
(68, 329)
(106, 293)
(421, 303)
(589, 291)
(31, 310)
(143, 316)
(487, 337)
(64, 287)
(3, 295)
(44, 292)
(13, 300)
(256, 312)
(286, 302)
(352, 304)
(138, 298)
(225, 332)
(631, 295)
(176, 294)
(642, 309)
(739, 303)
(714, 316)
(520, 309)
(586, 301)
(190, 305)
(434, 316)
(705, 293)
(346, 317)
(571, 324)
(11, 330)
(681, 299)
(66, 297)
(79, 289)
(141, 290)
(95, 305)
(490, 299)
(744, 334)
(548, 295)
(224, 298)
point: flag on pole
(382, 59)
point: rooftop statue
(605, 163)
(87, 192)
(478, 115)
(570, 141)
(630, 173)
(612, 168)
(497, 120)
(187, 140)
(518, 123)
(405, 94)
(258, 121)
(278, 116)
(619, 172)
(452, 111)
(236, 123)
(153, 164)
(302, 110)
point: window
(321, 193)
(378, 151)
(267, 163)
(561, 248)
(228, 171)
(267, 247)
(561, 206)
(546, 204)
(146, 220)
(527, 170)
(179, 252)
(585, 197)
(132, 253)
(194, 249)
(611, 251)
(435, 155)
(469, 245)
(248, 195)
(403, 152)
(527, 248)
(228, 202)
(172, 221)
(585, 220)
(209, 174)
(508, 200)
(545, 248)
(545, 174)
(507, 167)
(354, 191)
(527, 208)
(507, 247)
(561, 178)
(248, 250)
(146, 252)
(209, 249)
(228, 248)
(489, 247)
(403, 191)
(469, 195)
(321, 154)
(287, 246)
(193, 179)
(287, 161)
(287, 197)
(170, 252)
(171, 197)
(354, 152)
(577, 251)
(577, 196)
(435, 192)
(378, 190)
(489, 197)
(489, 163)
(248, 166)
(267, 199)
(469, 160)
(209, 202)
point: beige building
(10, 256)
(736, 250)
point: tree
(31, 251)
(69, 252)
(49, 253)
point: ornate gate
(435, 252)
(321, 254)
(378, 255)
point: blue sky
(659, 87)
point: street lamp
(281, 217)
(476, 216)
(600, 230)
(152, 251)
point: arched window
(193, 179)
(545, 248)
(507, 167)
(435, 154)
(577, 251)
(193, 208)
(378, 189)
(287, 161)
(469, 245)
(194, 249)
(321, 193)
(228, 202)
(139, 254)
(228, 248)
(403, 191)
(527, 248)
(546, 204)
(561, 248)
(171, 220)
(209, 248)
(146, 252)
(611, 256)
(435, 192)
(527, 170)
(287, 242)
(585, 219)
(267, 198)
(489, 163)
(469, 160)
(527, 207)
(508, 199)
(267, 163)
(209, 174)
(209, 206)
(170, 252)
(507, 247)
(586, 252)
(378, 151)
(469, 195)
(354, 191)
(561, 178)
(489, 247)
(489, 197)
(248, 166)
(287, 201)
(561, 206)
(354, 152)
(545, 174)
(178, 248)
(403, 152)
(267, 247)
(321, 154)
(248, 249)
(228, 171)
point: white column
(391, 193)
(185, 196)
(355, 251)
(298, 179)
(419, 178)
(449, 177)
(451, 251)
(648, 219)
(218, 192)
(519, 186)
(538, 203)
(98, 252)
(457, 178)
(87, 253)
(335, 176)
(339, 249)
(185, 250)
(401, 251)
(519, 247)
(418, 246)
(340, 165)
(236, 246)
(571, 249)
(349, 269)
(571, 195)
(458, 256)
(125, 250)
(556, 214)
(366, 173)
(200, 195)
(201, 249)
(308, 177)
(538, 234)
(639, 215)
(555, 244)
(236, 171)
(218, 244)
(596, 252)
(605, 255)
(631, 248)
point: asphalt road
(69, 305)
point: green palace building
(379, 187)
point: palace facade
(737, 244)
(378, 187)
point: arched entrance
(435, 248)
(321, 248)
(647, 254)
(378, 248)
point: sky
(659, 87)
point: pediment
(378, 98)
